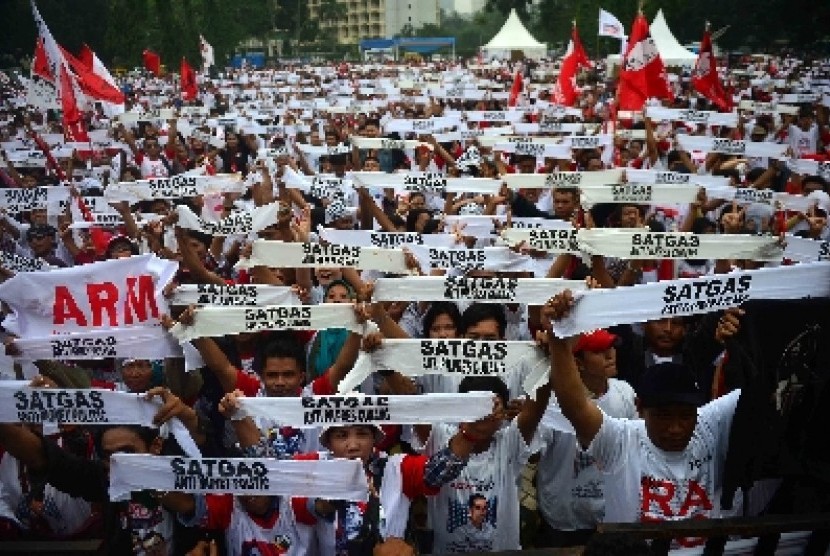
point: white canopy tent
(671, 52)
(513, 36)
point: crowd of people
(628, 422)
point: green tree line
(119, 30)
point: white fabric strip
(588, 141)
(420, 181)
(807, 167)
(559, 240)
(548, 127)
(750, 195)
(386, 240)
(660, 177)
(530, 148)
(279, 254)
(237, 222)
(107, 220)
(21, 404)
(658, 113)
(421, 126)
(338, 479)
(15, 200)
(324, 150)
(805, 250)
(480, 226)
(563, 179)
(642, 244)
(731, 146)
(183, 185)
(531, 291)
(352, 409)
(414, 357)
(233, 295)
(145, 342)
(638, 193)
(219, 321)
(19, 263)
(511, 116)
(382, 143)
(690, 296)
(487, 258)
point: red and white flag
(66, 84)
(92, 84)
(516, 89)
(565, 91)
(642, 75)
(188, 81)
(705, 77)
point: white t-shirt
(568, 484)
(492, 474)
(803, 142)
(649, 484)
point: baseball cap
(598, 340)
(122, 239)
(670, 383)
(758, 130)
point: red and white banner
(565, 92)
(120, 293)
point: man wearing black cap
(41, 239)
(666, 466)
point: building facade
(367, 19)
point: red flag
(86, 57)
(73, 124)
(564, 92)
(152, 62)
(91, 83)
(516, 89)
(40, 65)
(705, 78)
(188, 81)
(642, 75)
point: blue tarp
(253, 59)
(423, 45)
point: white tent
(513, 36)
(672, 52)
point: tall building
(366, 19)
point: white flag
(610, 26)
(207, 52)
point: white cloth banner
(120, 293)
(234, 295)
(807, 167)
(420, 125)
(659, 113)
(643, 244)
(487, 258)
(559, 151)
(77, 406)
(386, 240)
(220, 321)
(237, 222)
(182, 185)
(549, 127)
(481, 226)
(559, 240)
(143, 342)
(15, 200)
(602, 308)
(383, 143)
(805, 250)
(336, 479)
(279, 254)
(19, 263)
(351, 409)
(414, 357)
(638, 193)
(421, 181)
(731, 146)
(660, 177)
(563, 179)
(511, 116)
(531, 291)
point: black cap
(40, 230)
(670, 384)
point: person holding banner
(666, 466)
(144, 525)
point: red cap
(598, 340)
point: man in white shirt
(666, 466)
